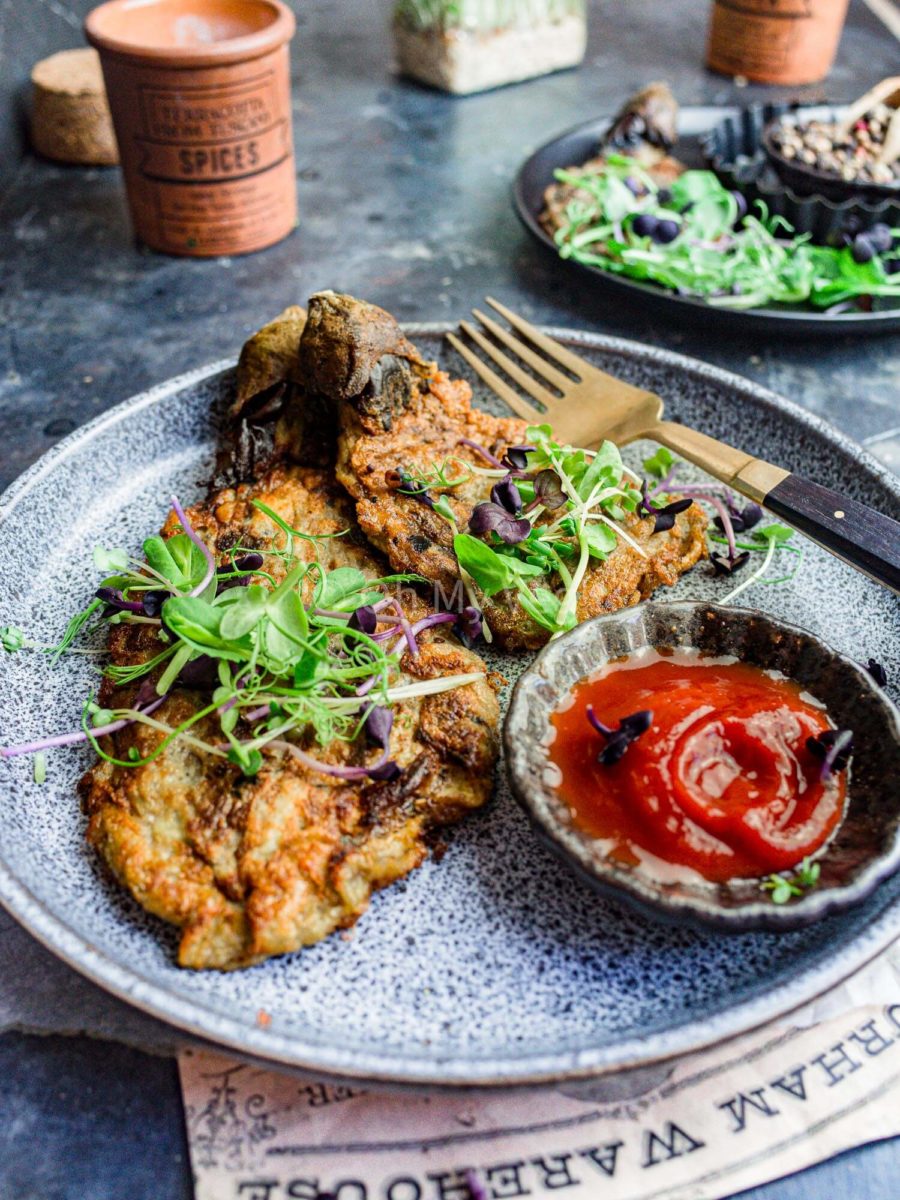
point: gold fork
(594, 405)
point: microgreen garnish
(742, 519)
(378, 722)
(664, 515)
(110, 562)
(696, 239)
(548, 491)
(770, 538)
(556, 508)
(728, 566)
(401, 481)
(729, 518)
(617, 741)
(412, 481)
(785, 886)
(469, 625)
(502, 514)
(660, 463)
(314, 652)
(834, 747)
(11, 638)
(483, 451)
(516, 458)
(877, 671)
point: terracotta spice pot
(199, 92)
(775, 41)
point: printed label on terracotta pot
(775, 41)
(228, 135)
(203, 123)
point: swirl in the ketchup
(722, 782)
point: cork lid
(70, 120)
(70, 72)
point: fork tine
(535, 361)
(493, 380)
(551, 348)
(525, 381)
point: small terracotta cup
(775, 41)
(200, 97)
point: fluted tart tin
(735, 149)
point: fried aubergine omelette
(252, 867)
(646, 129)
(396, 411)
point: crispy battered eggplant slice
(272, 420)
(268, 359)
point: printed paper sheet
(757, 1108)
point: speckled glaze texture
(866, 848)
(496, 966)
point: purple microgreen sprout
(492, 518)
(618, 740)
(548, 491)
(483, 451)
(501, 514)
(507, 495)
(238, 573)
(384, 772)
(153, 602)
(729, 518)
(383, 769)
(200, 673)
(246, 564)
(81, 735)
(401, 481)
(249, 562)
(408, 632)
(834, 747)
(664, 515)
(516, 458)
(116, 602)
(742, 519)
(728, 566)
(364, 619)
(279, 659)
(377, 724)
(877, 671)
(469, 625)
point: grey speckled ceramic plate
(494, 966)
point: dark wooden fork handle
(853, 531)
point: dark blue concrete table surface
(404, 197)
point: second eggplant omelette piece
(405, 455)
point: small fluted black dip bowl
(863, 852)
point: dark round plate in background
(579, 144)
